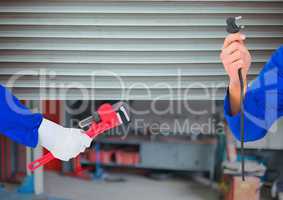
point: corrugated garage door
(117, 50)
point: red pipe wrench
(107, 117)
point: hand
(235, 55)
(63, 143)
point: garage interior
(66, 58)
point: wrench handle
(40, 162)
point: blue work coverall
(16, 121)
(263, 103)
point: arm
(24, 127)
(16, 121)
(255, 126)
(261, 106)
(235, 55)
(234, 96)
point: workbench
(168, 153)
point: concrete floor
(135, 187)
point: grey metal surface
(117, 94)
(140, 42)
(191, 156)
(194, 157)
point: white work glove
(63, 143)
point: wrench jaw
(86, 122)
(121, 110)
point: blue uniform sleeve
(263, 103)
(16, 121)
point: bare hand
(235, 55)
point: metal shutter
(78, 46)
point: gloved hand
(235, 55)
(63, 143)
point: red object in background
(12, 166)
(9, 166)
(127, 157)
(91, 155)
(249, 189)
(2, 145)
(105, 157)
(238, 189)
(51, 111)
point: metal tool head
(122, 111)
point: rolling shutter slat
(87, 46)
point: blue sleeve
(263, 103)
(16, 121)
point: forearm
(16, 121)
(261, 111)
(235, 97)
(255, 124)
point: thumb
(81, 137)
(86, 140)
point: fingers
(63, 157)
(82, 149)
(234, 52)
(75, 141)
(232, 48)
(237, 55)
(82, 137)
(233, 38)
(237, 65)
(86, 140)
